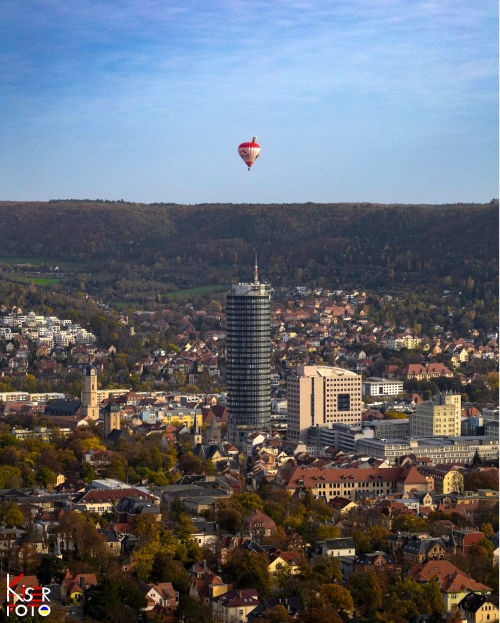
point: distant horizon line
(245, 203)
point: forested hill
(365, 245)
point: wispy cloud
(127, 65)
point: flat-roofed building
(340, 436)
(437, 449)
(375, 386)
(388, 429)
(491, 428)
(439, 416)
(321, 396)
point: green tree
(327, 531)
(51, 569)
(87, 472)
(366, 592)
(326, 570)
(278, 614)
(337, 596)
(114, 599)
(46, 476)
(11, 514)
(408, 522)
(10, 477)
(166, 569)
(322, 614)
(246, 569)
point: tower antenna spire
(255, 269)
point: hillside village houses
(44, 330)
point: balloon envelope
(249, 152)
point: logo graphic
(27, 599)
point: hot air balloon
(249, 152)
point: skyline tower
(248, 311)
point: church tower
(112, 419)
(90, 406)
(196, 436)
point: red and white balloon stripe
(249, 152)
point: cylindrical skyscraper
(249, 354)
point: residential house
(205, 585)
(280, 560)
(130, 508)
(259, 525)
(342, 505)
(416, 550)
(292, 605)
(464, 539)
(454, 583)
(73, 587)
(111, 541)
(104, 500)
(334, 547)
(235, 605)
(377, 561)
(477, 608)
(205, 533)
(447, 479)
(161, 595)
(194, 498)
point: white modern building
(375, 386)
(437, 449)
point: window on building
(343, 402)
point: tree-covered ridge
(330, 244)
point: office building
(248, 371)
(319, 396)
(436, 417)
(375, 386)
(340, 436)
(437, 449)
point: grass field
(180, 294)
(38, 281)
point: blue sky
(351, 100)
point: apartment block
(440, 416)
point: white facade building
(375, 386)
(437, 449)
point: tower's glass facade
(249, 355)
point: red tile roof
(311, 476)
(239, 598)
(449, 577)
